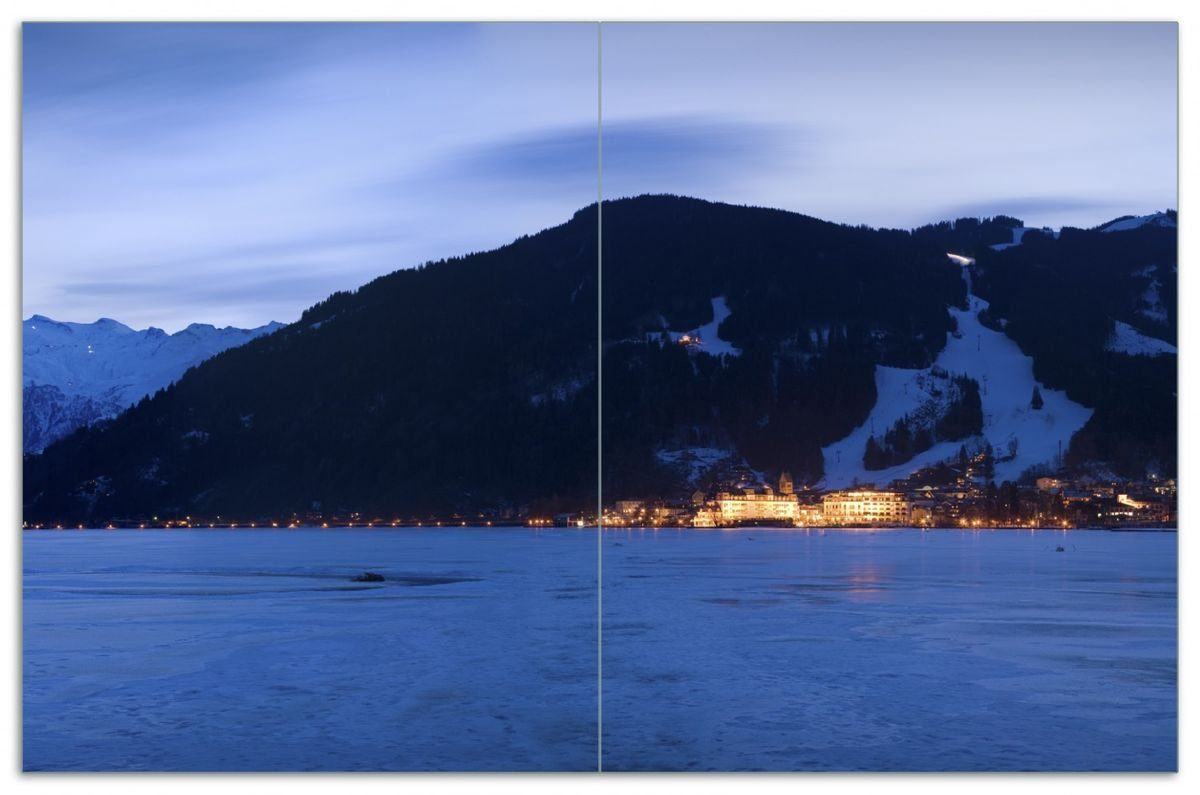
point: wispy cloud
(706, 153)
(919, 117)
(654, 148)
(229, 154)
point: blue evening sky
(901, 124)
(237, 173)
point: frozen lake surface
(889, 650)
(253, 650)
(725, 650)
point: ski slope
(1006, 381)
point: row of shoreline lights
(188, 525)
(532, 522)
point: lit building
(630, 508)
(669, 513)
(866, 508)
(1049, 484)
(810, 515)
(750, 505)
(922, 511)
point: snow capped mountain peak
(77, 373)
(111, 325)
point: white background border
(1186, 13)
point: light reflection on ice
(890, 650)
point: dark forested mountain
(464, 385)
(1076, 303)
(814, 307)
(732, 337)
(807, 310)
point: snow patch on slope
(709, 340)
(695, 462)
(1126, 339)
(1126, 224)
(1018, 234)
(1005, 376)
(561, 391)
(1152, 305)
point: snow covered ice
(773, 649)
(255, 650)
(754, 649)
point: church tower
(786, 486)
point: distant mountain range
(735, 340)
(75, 374)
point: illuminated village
(1047, 502)
(966, 502)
